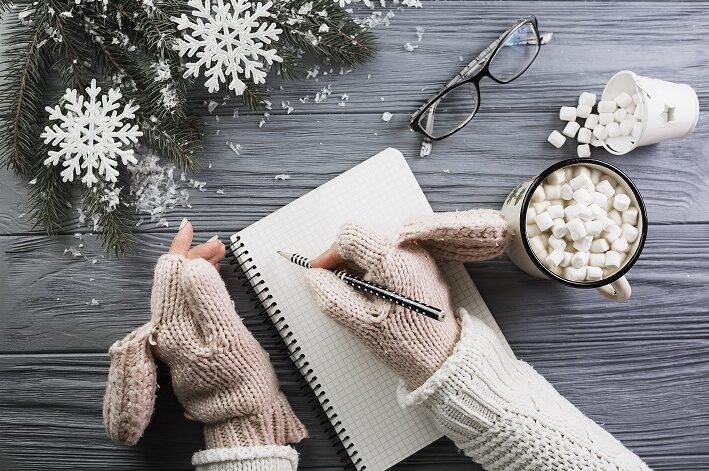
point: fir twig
(28, 60)
(115, 225)
(48, 198)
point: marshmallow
(593, 228)
(630, 216)
(557, 177)
(596, 142)
(613, 129)
(591, 121)
(626, 126)
(621, 202)
(567, 259)
(537, 244)
(605, 118)
(600, 246)
(597, 211)
(567, 113)
(577, 230)
(623, 100)
(579, 259)
(620, 245)
(556, 211)
(538, 194)
(581, 170)
(532, 230)
(599, 199)
(630, 109)
(572, 211)
(630, 233)
(583, 244)
(552, 192)
(583, 111)
(605, 187)
(615, 216)
(588, 99)
(586, 214)
(637, 99)
(559, 228)
(583, 197)
(541, 206)
(612, 259)
(575, 274)
(594, 273)
(555, 258)
(599, 131)
(571, 128)
(606, 106)
(595, 176)
(612, 233)
(529, 217)
(566, 192)
(558, 244)
(543, 221)
(581, 181)
(585, 135)
(597, 260)
(583, 151)
(620, 114)
(556, 139)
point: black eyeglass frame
(485, 57)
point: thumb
(340, 302)
(183, 239)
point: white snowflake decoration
(91, 135)
(229, 43)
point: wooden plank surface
(640, 368)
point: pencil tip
(284, 254)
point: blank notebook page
(380, 193)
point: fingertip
(329, 259)
(183, 239)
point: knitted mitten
(413, 345)
(496, 408)
(220, 373)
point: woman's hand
(411, 344)
(212, 250)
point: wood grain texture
(654, 404)
(641, 367)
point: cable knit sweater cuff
(506, 416)
(253, 458)
(276, 426)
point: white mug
(615, 286)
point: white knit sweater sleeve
(253, 458)
(507, 417)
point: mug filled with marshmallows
(581, 222)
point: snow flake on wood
(229, 40)
(92, 135)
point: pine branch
(115, 225)
(76, 51)
(49, 197)
(28, 60)
(178, 142)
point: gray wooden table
(640, 368)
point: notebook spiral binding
(238, 255)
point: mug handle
(618, 291)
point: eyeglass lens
(451, 111)
(515, 54)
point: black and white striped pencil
(375, 289)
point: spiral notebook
(355, 389)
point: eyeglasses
(449, 110)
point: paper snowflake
(91, 135)
(228, 43)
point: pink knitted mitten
(220, 373)
(411, 344)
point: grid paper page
(380, 193)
